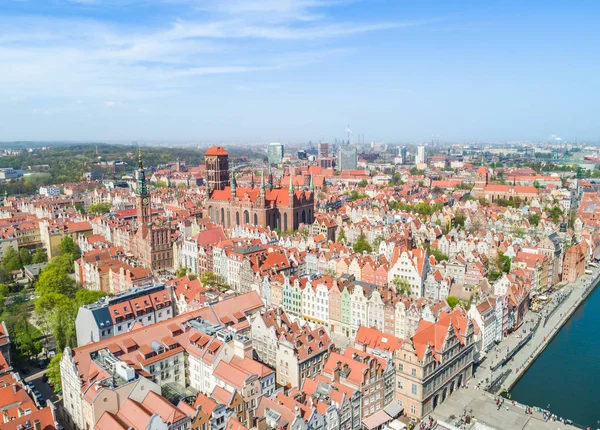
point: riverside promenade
(481, 405)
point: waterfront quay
(479, 399)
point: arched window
(303, 216)
(285, 222)
(246, 217)
(237, 218)
(255, 219)
(211, 212)
(228, 219)
(223, 216)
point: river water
(566, 375)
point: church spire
(311, 186)
(233, 189)
(291, 188)
(262, 183)
(141, 175)
(270, 179)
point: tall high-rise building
(323, 149)
(347, 158)
(275, 153)
(403, 154)
(420, 158)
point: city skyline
(297, 70)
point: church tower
(144, 214)
(216, 160)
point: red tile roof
(216, 150)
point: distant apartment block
(275, 153)
(49, 190)
(347, 158)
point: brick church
(266, 205)
(151, 240)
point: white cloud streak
(83, 58)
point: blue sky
(299, 70)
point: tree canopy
(39, 256)
(11, 260)
(100, 208)
(362, 245)
(68, 246)
(213, 280)
(452, 301)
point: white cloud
(111, 104)
(82, 58)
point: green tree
(452, 301)
(63, 263)
(25, 256)
(555, 213)
(68, 246)
(534, 219)
(377, 242)
(213, 280)
(53, 372)
(363, 183)
(100, 208)
(4, 290)
(55, 280)
(79, 208)
(39, 256)
(361, 245)
(402, 286)
(355, 195)
(85, 297)
(459, 219)
(56, 313)
(439, 255)
(342, 236)
(28, 340)
(503, 262)
(11, 260)
(182, 271)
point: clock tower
(144, 216)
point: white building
(49, 190)
(420, 157)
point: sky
(299, 70)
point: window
(414, 372)
(413, 409)
(400, 385)
(413, 389)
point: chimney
(336, 372)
